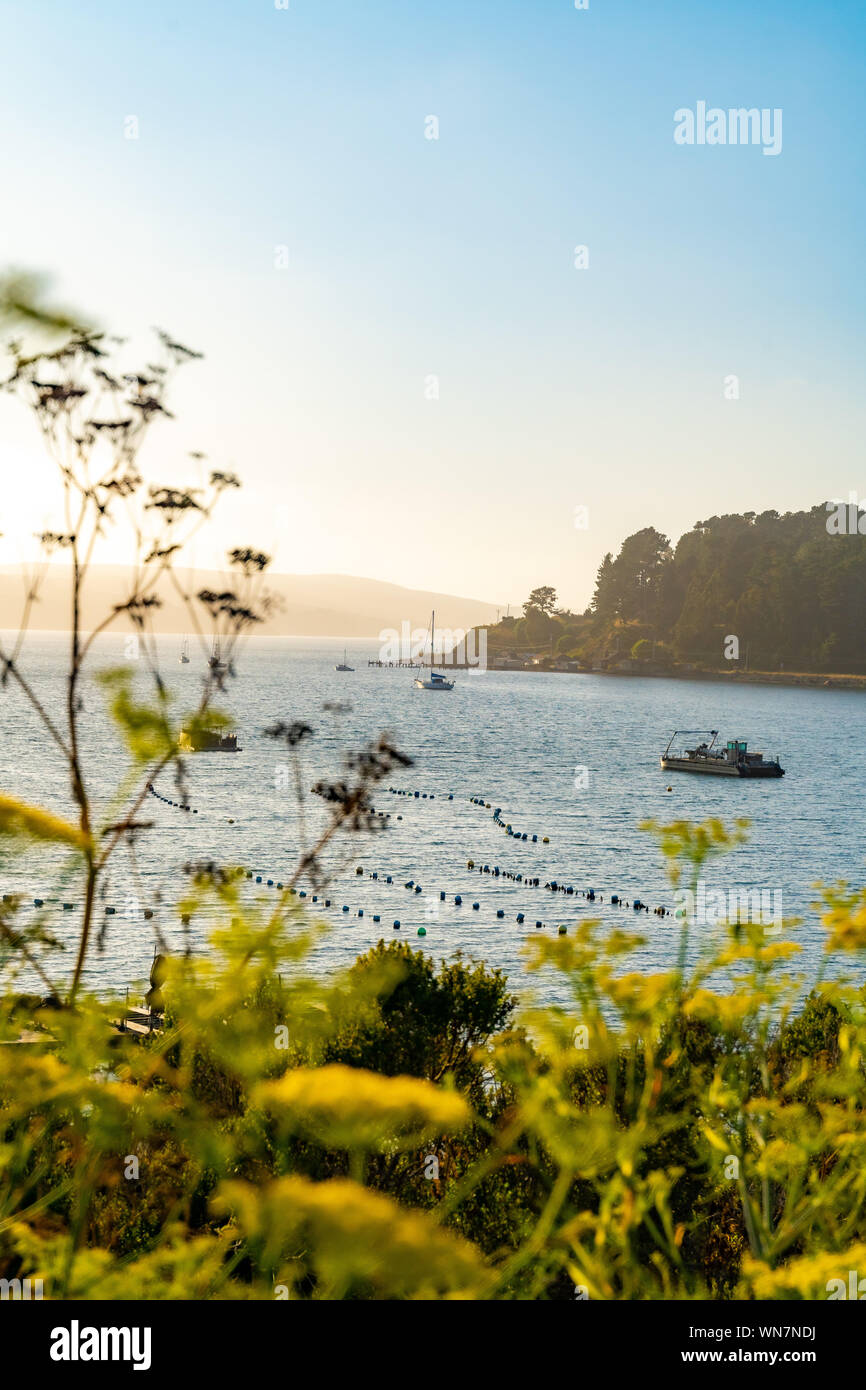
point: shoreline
(811, 681)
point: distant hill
(311, 605)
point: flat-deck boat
(208, 741)
(734, 760)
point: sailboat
(184, 652)
(436, 681)
(342, 665)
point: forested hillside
(790, 589)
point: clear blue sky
(409, 258)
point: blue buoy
(442, 896)
(520, 916)
(396, 925)
(345, 909)
(500, 912)
(458, 900)
(376, 918)
(475, 907)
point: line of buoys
(506, 825)
(419, 796)
(554, 886)
(167, 802)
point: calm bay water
(513, 738)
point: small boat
(734, 760)
(342, 665)
(183, 659)
(208, 741)
(215, 661)
(436, 681)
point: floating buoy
(442, 896)
(396, 925)
(417, 887)
(546, 840)
(520, 916)
(345, 909)
(258, 878)
(500, 912)
(303, 893)
(110, 911)
(563, 931)
(422, 931)
(148, 911)
(470, 863)
(67, 907)
(538, 924)
(37, 902)
(360, 911)
(458, 900)
(377, 919)
(327, 902)
(475, 907)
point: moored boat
(734, 760)
(437, 681)
(208, 741)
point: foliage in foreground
(402, 1131)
